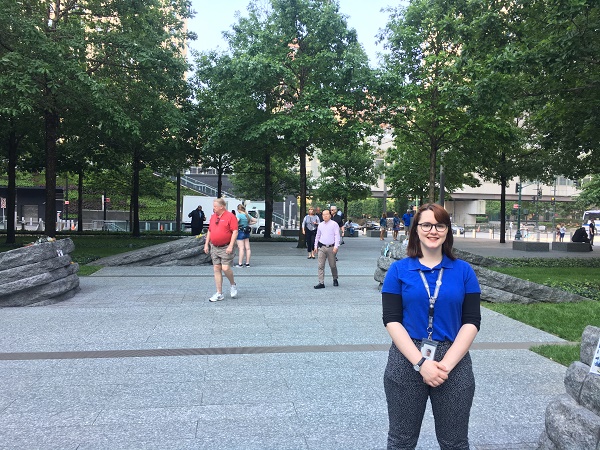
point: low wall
(529, 246)
(39, 274)
(571, 247)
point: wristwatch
(418, 365)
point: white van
(591, 214)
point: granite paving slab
(139, 359)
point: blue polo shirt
(459, 279)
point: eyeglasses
(219, 219)
(439, 227)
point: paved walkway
(139, 359)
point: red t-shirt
(220, 233)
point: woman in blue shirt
(382, 226)
(243, 237)
(431, 311)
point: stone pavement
(139, 359)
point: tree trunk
(52, 121)
(12, 189)
(432, 172)
(135, 194)
(268, 194)
(219, 182)
(503, 183)
(178, 203)
(345, 211)
(302, 156)
(80, 202)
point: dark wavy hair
(442, 216)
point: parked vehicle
(457, 229)
(255, 209)
(591, 214)
(354, 225)
(372, 225)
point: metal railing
(211, 191)
(201, 187)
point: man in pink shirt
(327, 243)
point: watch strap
(418, 365)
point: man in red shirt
(222, 234)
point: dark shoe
(335, 282)
(320, 286)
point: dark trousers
(407, 396)
(310, 239)
(197, 229)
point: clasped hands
(434, 373)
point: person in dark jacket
(198, 219)
(581, 235)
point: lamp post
(518, 233)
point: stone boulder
(495, 287)
(187, 251)
(573, 419)
(39, 274)
(500, 288)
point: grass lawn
(543, 275)
(565, 320)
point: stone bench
(571, 247)
(529, 246)
(375, 233)
(291, 232)
(355, 234)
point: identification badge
(428, 348)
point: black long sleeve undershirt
(392, 309)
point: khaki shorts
(220, 257)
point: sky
(215, 16)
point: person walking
(562, 231)
(382, 227)
(198, 219)
(318, 213)
(396, 226)
(338, 217)
(592, 229)
(429, 356)
(243, 237)
(327, 243)
(220, 238)
(407, 219)
(309, 230)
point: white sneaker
(233, 291)
(216, 297)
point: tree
(590, 194)
(306, 64)
(420, 85)
(557, 51)
(347, 170)
(68, 55)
